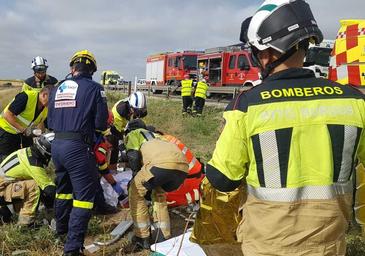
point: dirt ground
(124, 246)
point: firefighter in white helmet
(294, 138)
(40, 78)
(135, 106)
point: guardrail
(168, 89)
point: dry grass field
(8, 89)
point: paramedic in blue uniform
(78, 112)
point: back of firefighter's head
(279, 34)
(43, 144)
(134, 125)
(186, 76)
(138, 103)
(83, 62)
(39, 66)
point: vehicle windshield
(318, 56)
(190, 62)
(113, 76)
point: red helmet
(110, 118)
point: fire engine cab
(169, 68)
(228, 66)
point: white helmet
(137, 100)
(43, 143)
(39, 64)
(281, 24)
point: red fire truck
(170, 67)
(228, 66)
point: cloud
(122, 34)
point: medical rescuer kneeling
(294, 137)
(77, 113)
(159, 166)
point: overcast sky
(121, 34)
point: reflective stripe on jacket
(21, 165)
(194, 164)
(25, 118)
(201, 90)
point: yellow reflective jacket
(135, 139)
(186, 87)
(26, 118)
(119, 121)
(201, 90)
(23, 165)
(295, 139)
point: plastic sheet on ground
(171, 247)
(111, 197)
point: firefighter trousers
(199, 105)
(147, 179)
(76, 179)
(24, 195)
(187, 104)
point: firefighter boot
(143, 243)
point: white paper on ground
(171, 246)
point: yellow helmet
(84, 56)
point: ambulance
(347, 62)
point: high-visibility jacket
(186, 87)
(26, 118)
(201, 90)
(194, 165)
(188, 192)
(295, 139)
(135, 139)
(23, 165)
(119, 121)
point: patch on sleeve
(67, 90)
(65, 104)
(102, 93)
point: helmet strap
(267, 70)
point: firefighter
(24, 181)
(77, 112)
(135, 106)
(186, 94)
(159, 166)
(40, 78)
(25, 112)
(294, 138)
(200, 96)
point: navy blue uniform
(77, 108)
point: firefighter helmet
(134, 125)
(39, 64)
(43, 143)
(137, 101)
(86, 57)
(280, 25)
